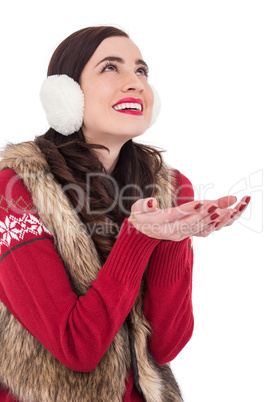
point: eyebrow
(120, 60)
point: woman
(96, 255)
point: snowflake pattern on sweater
(13, 230)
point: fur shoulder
(25, 154)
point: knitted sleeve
(168, 300)
(35, 288)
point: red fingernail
(198, 205)
(214, 216)
(212, 209)
(233, 214)
(150, 203)
(247, 200)
(242, 207)
(217, 224)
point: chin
(132, 131)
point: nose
(132, 83)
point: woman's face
(114, 80)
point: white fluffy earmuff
(156, 106)
(63, 101)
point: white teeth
(123, 106)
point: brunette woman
(95, 238)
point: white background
(209, 62)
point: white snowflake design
(16, 228)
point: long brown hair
(75, 165)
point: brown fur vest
(31, 372)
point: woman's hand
(195, 218)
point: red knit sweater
(78, 330)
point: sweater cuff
(169, 261)
(130, 255)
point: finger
(195, 223)
(227, 201)
(239, 210)
(223, 220)
(217, 221)
(213, 218)
(219, 213)
(206, 230)
(210, 206)
(228, 216)
(189, 207)
(144, 205)
(197, 209)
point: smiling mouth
(128, 106)
(133, 108)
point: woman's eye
(143, 71)
(109, 67)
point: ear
(63, 101)
(156, 107)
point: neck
(114, 144)
(108, 159)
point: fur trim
(29, 370)
(63, 101)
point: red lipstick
(136, 109)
